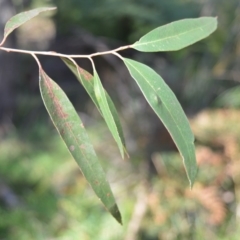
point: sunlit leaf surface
(176, 35)
(166, 106)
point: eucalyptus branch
(171, 37)
(55, 54)
(37, 60)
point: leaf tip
(116, 213)
(192, 177)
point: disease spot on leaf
(58, 107)
(82, 126)
(57, 87)
(155, 99)
(62, 114)
(72, 148)
(82, 146)
(87, 76)
(62, 131)
(96, 182)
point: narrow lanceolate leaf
(73, 133)
(21, 18)
(87, 80)
(166, 106)
(106, 111)
(176, 35)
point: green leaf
(73, 133)
(21, 18)
(176, 35)
(87, 80)
(166, 106)
(106, 112)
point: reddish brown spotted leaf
(73, 133)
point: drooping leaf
(176, 35)
(106, 112)
(166, 106)
(73, 133)
(87, 80)
(21, 18)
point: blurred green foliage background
(42, 192)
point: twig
(55, 54)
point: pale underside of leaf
(87, 80)
(166, 106)
(21, 18)
(73, 133)
(106, 111)
(176, 35)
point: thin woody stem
(37, 60)
(111, 51)
(55, 54)
(117, 54)
(93, 65)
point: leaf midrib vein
(106, 106)
(163, 39)
(166, 108)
